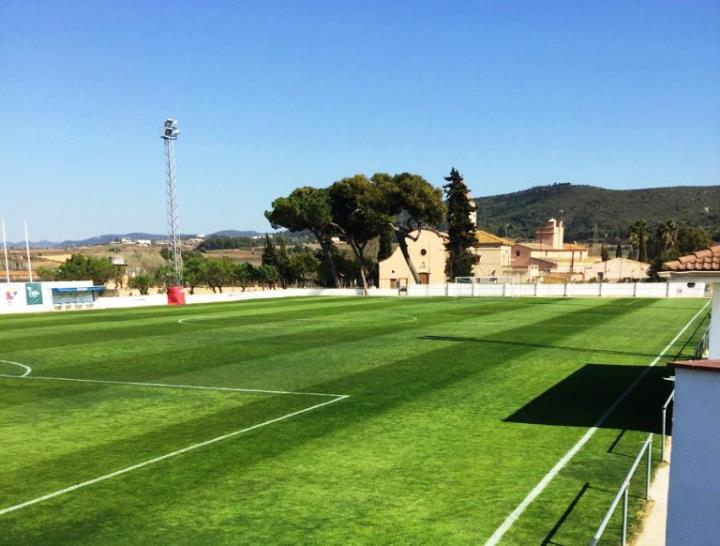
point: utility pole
(27, 248)
(7, 267)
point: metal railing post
(649, 469)
(622, 494)
(662, 440)
(624, 516)
(664, 425)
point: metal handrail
(698, 355)
(664, 423)
(703, 345)
(623, 493)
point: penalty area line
(167, 385)
(166, 456)
(565, 459)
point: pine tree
(461, 230)
(385, 248)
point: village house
(548, 258)
(617, 270)
(428, 255)
(427, 252)
(553, 257)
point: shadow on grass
(549, 538)
(578, 399)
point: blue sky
(273, 95)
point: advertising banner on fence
(33, 293)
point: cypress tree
(461, 230)
(618, 251)
(269, 256)
(282, 263)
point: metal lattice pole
(170, 136)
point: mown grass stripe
(155, 460)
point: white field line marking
(412, 318)
(28, 369)
(166, 456)
(542, 484)
(169, 385)
(182, 320)
(348, 320)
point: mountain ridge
(582, 207)
(108, 237)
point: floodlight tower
(170, 135)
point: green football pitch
(331, 420)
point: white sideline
(28, 369)
(555, 470)
(163, 457)
(167, 385)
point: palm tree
(667, 234)
(638, 237)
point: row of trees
(79, 267)
(665, 241)
(198, 270)
(661, 242)
(216, 242)
(384, 207)
(297, 268)
(216, 273)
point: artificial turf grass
(419, 454)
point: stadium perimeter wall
(14, 299)
(617, 290)
(24, 297)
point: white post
(27, 248)
(7, 266)
(625, 516)
(714, 332)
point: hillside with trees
(518, 214)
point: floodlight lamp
(170, 129)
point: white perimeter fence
(616, 290)
(621, 290)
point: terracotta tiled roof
(487, 238)
(702, 260)
(567, 247)
(524, 262)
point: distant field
(333, 420)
